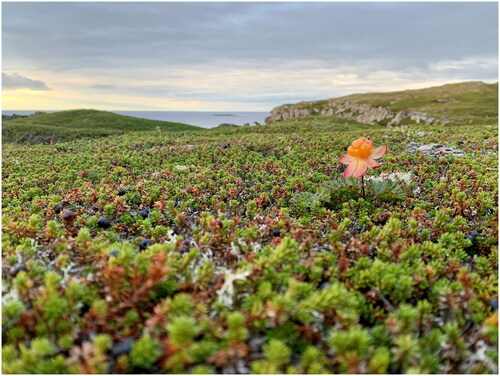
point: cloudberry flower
(361, 156)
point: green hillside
(459, 103)
(466, 100)
(73, 124)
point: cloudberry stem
(363, 186)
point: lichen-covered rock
(434, 150)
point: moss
(145, 352)
(276, 354)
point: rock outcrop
(362, 112)
(434, 150)
(16, 116)
(457, 103)
(12, 117)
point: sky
(236, 56)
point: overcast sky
(236, 56)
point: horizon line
(75, 109)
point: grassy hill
(73, 124)
(243, 250)
(460, 103)
(470, 101)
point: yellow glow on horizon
(52, 101)
(21, 100)
(240, 89)
(14, 99)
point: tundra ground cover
(245, 251)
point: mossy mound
(45, 128)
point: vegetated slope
(68, 125)
(244, 250)
(461, 103)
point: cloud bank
(247, 55)
(15, 81)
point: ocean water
(201, 119)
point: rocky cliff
(452, 103)
(362, 112)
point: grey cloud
(77, 35)
(15, 81)
(420, 41)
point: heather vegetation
(246, 251)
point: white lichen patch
(480, 357)
(226, 292)
(11, 295)
(434, 150)
(67, 273)
(406, 177)
(172, 238)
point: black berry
(84, 308)
(143, 213)
(122, 192)
(185, 247)
(123, 347)
(68, 215)
(276, 232)
(493, 304)
(145, 243)
(103, 222)
(473, 237)
(383, 217)
(114, 253)
(58, 208)
(323, 285)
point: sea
(199, 118)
